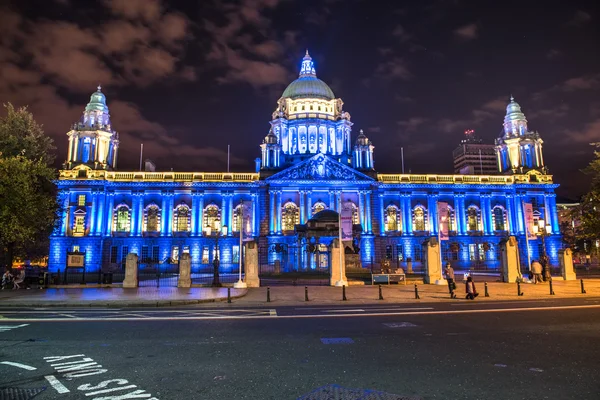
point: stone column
(194, 216)
(308, 205)
(459, 213)
(361, 210)
(230, 214)
(403, 208)
(251, 261)
(520, 214)
(381, 214)
(565, 258)
(338, 267)
(255, 209)
(368, 209)
(66, 212)
(131, 267)
(510, 213)
(432, 200)
(224, 212)
(164, 214)
(109, 213)
(140, 228)
(407, 211)
(510, 260)
(302, 207)
(433, 266)
(133, 228)
(278, 212)
(171, 199)
(272, 211)
(92, 213)
(331, 200)
(483, 209)
(200, 214)
(185, 277)
(551, 212)
(100, 214)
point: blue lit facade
(308, 163)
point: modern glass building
(310, 161)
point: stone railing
(142, 176)
(465, 179)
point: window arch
(152, 218)
(499, 215)
(419, 218)
(318, 206)
(393, 222)
(181, 218)
(237, 222)
(122, 218)
(212, 217)
(473, 223)
(451, 219)
(289, 216)
(355, 214)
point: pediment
(320, 168)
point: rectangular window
(124, 251)
(113, 254)
(417, 250)
(175, 254)
(236, 254)
(400, 251)
(81, 200)
(76, 249)
(79, 228)
(155, 250)
(205, 255)
(186, 249)
(144, 254)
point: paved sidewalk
(294, 295)
(114, 297)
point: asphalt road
(477, 350)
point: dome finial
(307, 55)
(512, 99)
(308, 67)
(99, 88)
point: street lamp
(544, 230)
(208, 231)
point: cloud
(553, 54)
(589, 134)
(551, 114)
(585, 82)
(393, 69)
(579, 18)
(145, 10)
(492, 109)
(412, 124)
(401, 34)
(467, 32)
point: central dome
(308, 85)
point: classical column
(66, 212)
(224, 210)
(369, 215)
(230, 214)
(279, 195)
(255, 209)
(171, 201)
(381, 214)
(432, 213)
(308, 205)
(109, 213)
(551, 212)
(520, 213)
(140, 229)
(302, 206)
(331, 200)
(100, 214)
(489, 215)
(459, 213)
(361, 210)
(91, 211)
(194, 216)
(404, 209)
(164, 214)
(272, 211)
(483, 206)
(510, 213)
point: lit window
(289, 216)
(81, 200)
(473, 218)
(79, 228)
(319, 206)
(152, 218)
(355, 215)
(122, 219)
(419, 219)
(182, 218)
(175, 254)
(499, 219)
(212, 218)
(75, 249)
(205, 256)
(392, 219)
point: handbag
(453, 285)
(475, 294)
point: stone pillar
(509, 250)
(381, 215)
(131, 269)
(331, 200)
(433, 266)
(368, 212)
(171, 200)
(200, 215)
(194, 216)
(100, 214)
(229, 214)
(255, 208)
(308, 204)
(338, 267)
(459, 214)
(92, 213)
(251, 261)
(140, 217)
(361, 210)
(406, 214)
(278, 213)
(510, 213)
(520, 214)
(565, 258)
(109, 213)
(432, 200)
(272, 211)
(302, 207)
(164, 216)
(552, 212)
(185, 277)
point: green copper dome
(97, 102)
(308, 85)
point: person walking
(536, 271)
(470, 289)
(450, 278)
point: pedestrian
(450, 278)
(536, 271)
(6, 278)
(470, 289)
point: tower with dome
(311, 165)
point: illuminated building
(308, 163)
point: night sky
(186, 78)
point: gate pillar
(338, 265)
(510, 260)
(251, 261)
(433, 265)
(185, 266)
(565, 257)
(131, 269)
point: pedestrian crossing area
(6, 328)
(129, 314)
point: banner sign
(443, 220)
(246, 218)
(75, 260)
(346, 221)
(529, 224)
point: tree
(588, 211)
(28, 205)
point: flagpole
(402, 153)
(241, 284)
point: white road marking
(500, 365)
(273, 313)
(19, 365)
(59, 387)
(399, 325)
(67, 315)
(495, 302)
(343, 315)
(344, 310)
(536, 370)
(4, 328)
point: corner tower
(518, 150)
(92, 142)
(309, 120)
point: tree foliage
(28, 205)
(588, 211)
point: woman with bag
(450, 278)
(470, 289)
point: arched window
(355, 215)
(237, 218)
(318, 206)
(152, 218)
(392, 219)
(212, 217)
(473, 218)
(289, 216)
(122, 218)
(181, 220)
(499, 218)
(419, 219)
(451, 220)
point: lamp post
(208, 231)
(544, 230)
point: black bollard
(416, 292)
(551, 290)
(486, 290)
(344, 293)
(380, 294)
(268, 294)
(519, 293)
(582, 288)
(229, 295)
(305, 293)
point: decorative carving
(320, 167)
